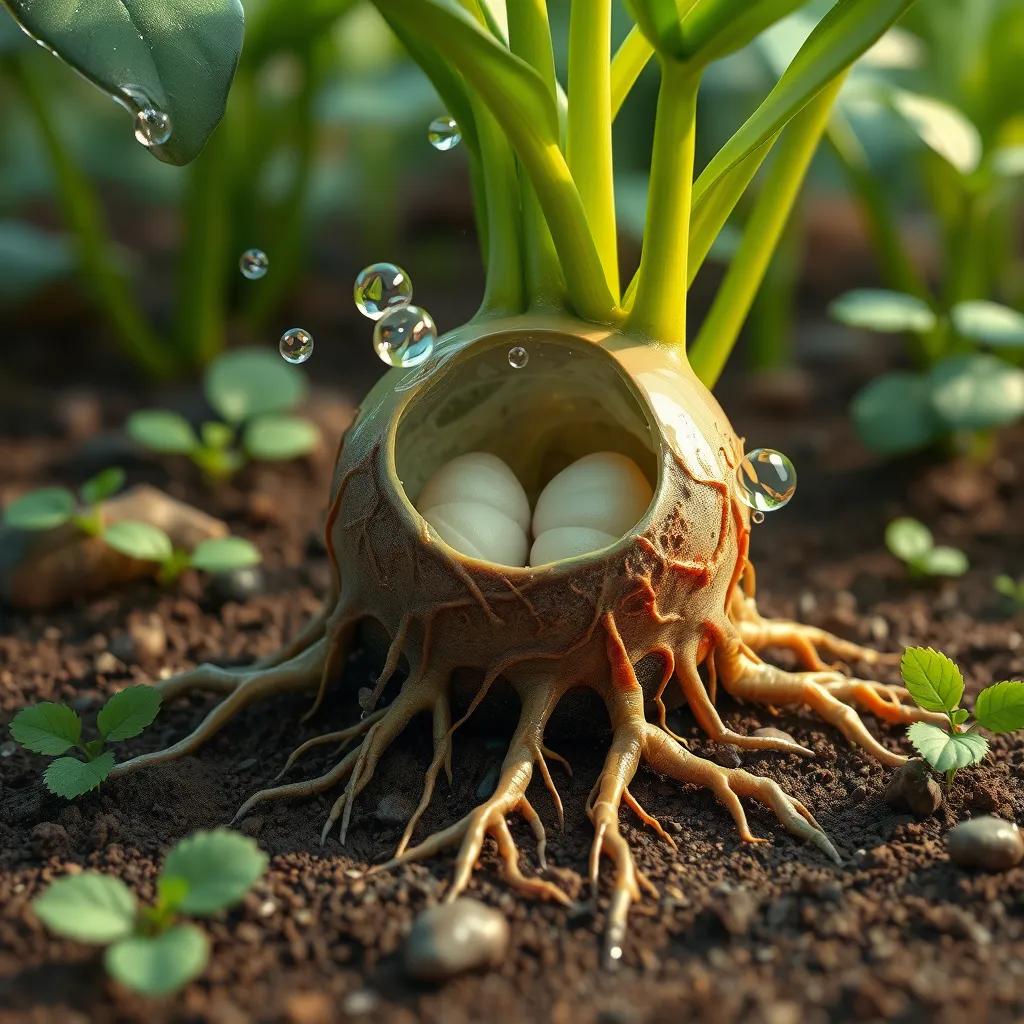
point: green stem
(630, 59)
(659, 311)
(778, 194)
(81, 207)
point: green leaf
(47, 728)
(1009, 587)
(1000, 707)
(102, 486)
(990, 323)
(128, 712)
(216, 435)
(156, 965)
(959, 717)
(976, 392)
(944, 561)
(941, 127)
(275, 438)
(219, 866)
(162, 431)
(177, 56)
(143, 541)
(945, 751)
(661, 24)
(68, 777)
(222, 554)
(714, 28)
(908, 539)
(170, 893)
(44, 509)
(253, 381)
(879, 310)
(934, 681)
(893, 414)
(89, 907)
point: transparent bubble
(296, 345)
(443, 133)
(518, 357)
(405, 336)
(381, 287)
(254, 264)
(152, 127)
(766, 479)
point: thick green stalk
(659, 312)
(777, 196)
(630, 59)
(589, 148)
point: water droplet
(443, 133)
(766, 479)
(254, 264)
(381, 287)
(518, 357)
(757, 516)
(152, 127)
(296, 345)
(405, 336)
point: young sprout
(149, 949)
(936, 684)
(50, 507)
(912, 542)
(252, 391)
(1012, 590)
(54, 729)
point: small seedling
(252, 391)
(149, 949)
(54, 729)
(50, 507)
(912, 543)
(936, 684)
(1012, 590)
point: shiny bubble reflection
(405, 336)
(381, 287)
(152, 127)
(443, 133)
(296, 345)
(254, 264)
(766, 480)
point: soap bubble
(253, 264)
(766, 479)
(381, 287)
(518, 357)
(405, 336)
(296, 345)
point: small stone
(725, 754)
(143, 641)
(362, 1001)
(238, 585)
(452, 938)
(773, 733)
(395, 809)
(912, 788)
(987, 842)
(49, 839)
(106, 664)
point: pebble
(725, 754)
(986, 842)
(49, 839)
(395, 809)
(144, 640)
(237, 585)
(452, 938)
(773, 733)
(912, 788)
(106, 664)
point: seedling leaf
(252, 382)
(219, 868)
(908, 539)
(976, 391)
(941, 127)
(879, 310)
(944, 751)
(275, 438)
(47, 728)
(68, 777)
(216, 435)
(102, 485)
(158, 964)
(944, 561)
(143, 541)
(222, 554)
(893, 414)
(1000, 707)
(44, 509)
(162, 431)
(990, 323)
(934, 681)
(960, 716)
(89, 907)
(128, 712)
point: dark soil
(771, 933)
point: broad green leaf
(251, 382)
(47, 728)
(893, 414)
(89, 907)
(222, 554)
(1000, 707)
(879, 310)
(31, 258)
(908, 539)
(128, 712)
(177, 56)
(1009, 587)
(990, 323)
(944, 561)
(156, 965)
(162, 431)
(976, 391)
(44, 509)
(102, 485)
(68, 777)
(219, 866)
(941, 127)
(934, 681)
(143, 541)
(274, 438)
(944, 751)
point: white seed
(481, 478)
(479, 531)
(568, 542)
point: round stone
(986, 842)
(913, 788)
(453, 938)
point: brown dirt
(773, 933)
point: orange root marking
(623, 675)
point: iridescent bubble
(296, 345)
(443, 133)
(152, 127)
(766, 479)
(518, 357)
(381, 287)
(405, 336)
(254, 264)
